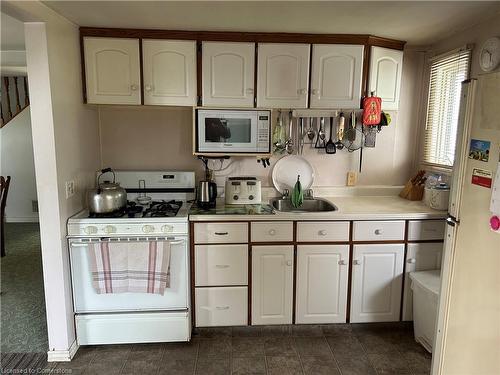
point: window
(447, 73)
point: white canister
(439, 197)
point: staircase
(14, 97)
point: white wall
(17, 162)
(66, 147)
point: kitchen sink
(309, 205)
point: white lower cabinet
(272, 284)
(419, 257)
(377, 278)
(221, 306)
(322, 274)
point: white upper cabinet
(336, 76)
(169, 68)
(386, 66)
(376, 282)
(283, 75)
(322, 273)
(228, 74)
(419, 257)
(272, 284)
(112, 70)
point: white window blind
(447, 74)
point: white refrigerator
(468, 326)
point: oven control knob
(148, 228)
(90, 230)
(167, 228)
(251, 197)
(108, 229)
(235, 197)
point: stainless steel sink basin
(309, 205)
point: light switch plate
(70, 189)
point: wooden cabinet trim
(233, 36)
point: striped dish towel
(137, 267)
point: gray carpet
(23, 322)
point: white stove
(171, 195)
(136, 317)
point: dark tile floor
(347, 349)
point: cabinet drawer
(225, 306)
(323, 231)
(378, 230)
(419, 230)
(220, 232)
(221, 265)
(272, 231)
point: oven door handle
(79, 244)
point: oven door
(227, 131)
(86, 300)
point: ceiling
(417, 22)
(12, 34)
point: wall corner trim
(63, 355)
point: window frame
(426, 93)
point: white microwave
(232, 131)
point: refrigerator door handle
(450, 220)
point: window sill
(436, 168)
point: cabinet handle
(301, 91)
(222, 266)
(148, 88)
(314, 91)
(249, 91)
(342, 262)
(134, 87)
(357, 262)
(221, 233)
(222, 307)
(289, 263)
(378, 232)
(272, 232)
(412, 261)
(322, 232)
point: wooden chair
(4, 189)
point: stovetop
(158, 209)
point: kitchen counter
(349, 208)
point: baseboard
(21, 219)
(63, 355)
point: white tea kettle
(107, 197)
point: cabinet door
(386, 66)
(282, 75)
(228, 74)
(419, 257)
(377, 274)
(322, 272)
(169, 68)
(336, 76)
(112, 70)
(272, 283)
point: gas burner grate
(162, 209)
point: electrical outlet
(352, 178)
(70, 189)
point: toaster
(243, 190)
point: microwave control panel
(264, 131)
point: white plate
(285, 173)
